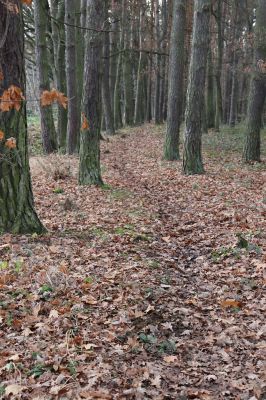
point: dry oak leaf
(170, 359)
(85, 123)
(2, 135)
(11, 99)
(231, 303)
(11, 143)
(49, 97)
(27, 2)
(14, 389)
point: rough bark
(58, 35)
(192, 159)
(127, 70)
(73, 123)
(89, 168)
(257, 88)
(219, 65)
(176, 80)
(17, 214)
(106, 94)
(210, 104)
(139, 103)
(49, 139)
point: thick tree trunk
(257, 88)
(73, 123)
(192, 159)
(89, 168)
(17, 214)
(49, 139)
(176, 81)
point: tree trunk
(192, 159)
(89, 168)
(58, 31)
(158, 65)
(16, 199)
(117, 89)
(106, 95)
(73, 123)
(41, 8)
(139, 104)
(257, 88)
(127, 71)
(219, 100)
(210, 106)
(176, 81)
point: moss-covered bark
(17, 214)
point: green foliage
(72, 367)
(148, 339)
(58, 190)
(37, 371)
(46, 288)
(3, 265)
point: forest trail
(148, 288)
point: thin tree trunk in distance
(58, 33)
(192, 159)
(219, 100)
(176, 81)
(106, 95)
(49, 139)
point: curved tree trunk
(176, 78)
(257, 88)
(49, 139)
(192, 159)
(16, 200)
(89, 168)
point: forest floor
(150, 287)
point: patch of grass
(58, 190)
(105, 186)
(223, 252)
(228, 140)
(46, 289)
(167, 346)
(72, 367)
(37, 371)
(154, 264)
(99, 232)
(120, 194)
